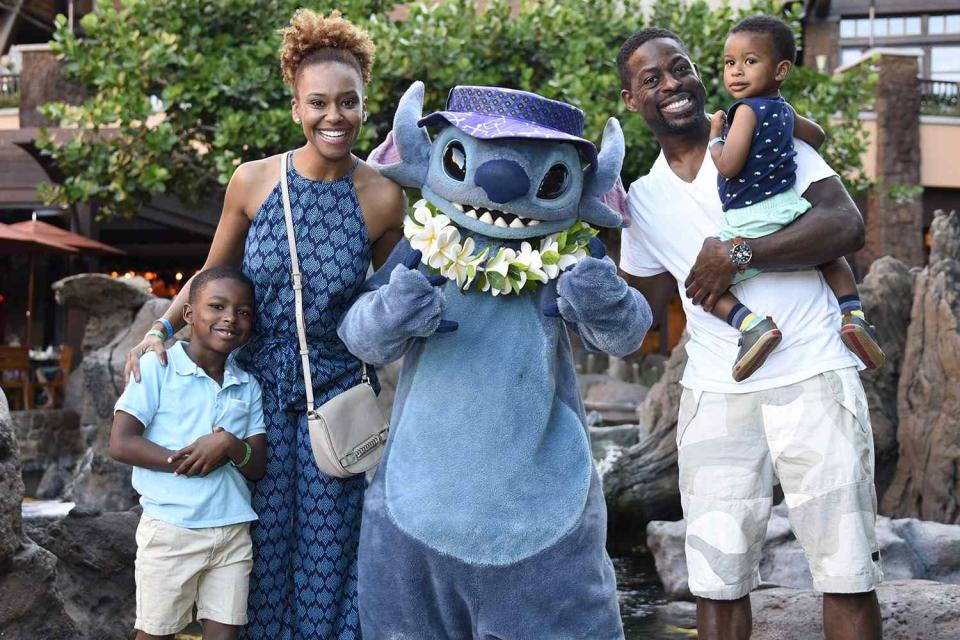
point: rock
(109, 303)
(911, 610)
(95, 572)
(666, 542)
(623, 435)
(11, 488)
(615, 400)
(641, 484)
(100, 482)
(55, 479)
(48, 435)
(927, 480)
(887, 296)
(935, 545)
(30, 605)
(909, 549)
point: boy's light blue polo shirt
(177, 404)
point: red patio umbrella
(39, 229)
(15, 241)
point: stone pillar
(820, 45)
(41, 82)
(894, 215)
(927, 480)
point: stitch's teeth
(533, 222)
(486, 218)
(457, 206)
(499, 222)
(516, 224)
(471, 213)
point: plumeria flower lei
(504, 272)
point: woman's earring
(296, 119)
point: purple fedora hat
(489, 113)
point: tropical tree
(182, 91)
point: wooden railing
(9, 90)
(939, 97)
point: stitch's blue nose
(503, 180)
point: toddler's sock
(851, 304)
(742, 319)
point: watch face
(741, 254)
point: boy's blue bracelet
(714, 140)
(167, 325)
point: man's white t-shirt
(670, 219)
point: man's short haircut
(207, 276)
(778, 30)
(636, 41)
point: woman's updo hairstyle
(312, 38)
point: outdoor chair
(53, 380)
(15, 376)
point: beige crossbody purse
(347, 432)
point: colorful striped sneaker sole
(858, 339)
(757, 355)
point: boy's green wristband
(246, 456)
(157, 333)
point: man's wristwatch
(740, 253)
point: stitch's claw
(597, 249)
(446, 326)
(437, 280)
(552, 310)
(412, 261)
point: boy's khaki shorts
(178, 567)
(814, 436)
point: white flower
(436, 234)
(499, 265)
(549, 247)
(530, 263)
(463, 266)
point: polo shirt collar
(183, 365)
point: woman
(345, 216)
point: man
(802, 417)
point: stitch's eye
(554, 184)
(455, 161)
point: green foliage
(212, 69)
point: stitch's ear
(602, 178)
(404, 156)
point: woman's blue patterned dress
(304, 581)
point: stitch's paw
(415, 301)
(587, 288)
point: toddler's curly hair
(313, 38)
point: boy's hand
(717, 123)
(206, 454)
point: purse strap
(297, 280)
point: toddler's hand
(717, 123)
(206, 454)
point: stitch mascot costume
(486, 517)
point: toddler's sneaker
(861, 338)
(755, 345)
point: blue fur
(491, 501)
(486, 518)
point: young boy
(194, 432)
(757, 173)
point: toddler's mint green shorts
(762, 219)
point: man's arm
(658, 290)
(831, 229)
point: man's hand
(711, 274)
(717, 123)
(206, 454)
